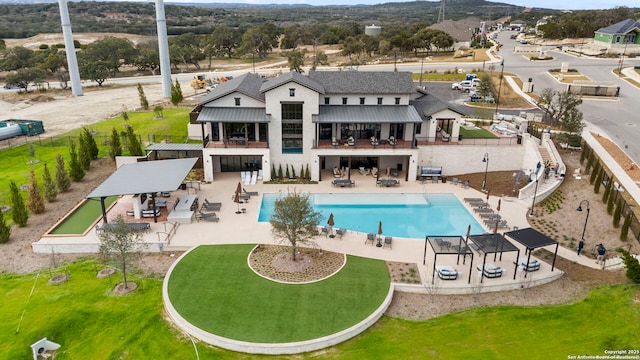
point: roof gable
(292, 76)
(621, 27)
(364, 82)
(428, 105)
(247, 84)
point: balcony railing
(238, 144)
(363, 144)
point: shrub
(19, 214)
(280, 171)
(115, 148)
(62, 176)
(617, 214)
(596, 186)
(5, 230)
(625, 227)
(35, 201)
(287, 172)
(273, 171)
(632, 264)
(144, 103)
(50, 189)
(76, 172)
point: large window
(291, 127)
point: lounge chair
(387, 241)
(341, 232)
(211, 207)
(372, 238)
(469, 200)
(533, 265)
(446, 272)
(374, 141)
(490, 215)
(351, 141)
(207, 216)
(363, 171)
(483, 210)
(149, 213)
(491, 271)
(336, 173)
(250, 193)
(392, 141)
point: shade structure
(330, 222)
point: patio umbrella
(498, 208)
(379, 233)
(236, 198)
(331, 223)
(488, 195)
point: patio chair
(372, 238)
(466, 184)
(325, 230)
(454, 181)
(341, 232)
(351, 141)
(483, 210)
(334, 141)
(392, 141)
(387, 241)
(336, 173)
(469, 200)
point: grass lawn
(89, 323)
(213, 284)
(477, 134)
(83, 217)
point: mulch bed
(275, 262)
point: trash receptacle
(444, 179)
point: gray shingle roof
(248, 84)
(428, 104)
(367, 114)
(295, 77)
(226, 114)
(622, 27)
(364, 82)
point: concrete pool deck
(244, 228)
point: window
(344, 101)
(292, 92)
(237, 101)
(326, 101)
(397, 101)
(361, 101)
(379, 101)
(291, 127)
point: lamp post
(585, 219)
(624, 39)
(499, 86)
(485, 159)
(533, 203)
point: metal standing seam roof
(295, 77)
(367, 114)
(227, 114)
(622, 27)
(145, 177)
(531, 238)
(248, 84)
(174, 147)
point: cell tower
(441, 12)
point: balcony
(364, 144)
(238, 143)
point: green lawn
(14, 160)
(83, 217)
(477, 134)
(90, 323)
(213, 284)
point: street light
(499, 86)
(585, 219)
(533, 203)
(624, 39)
(485, 159)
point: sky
(551, 4)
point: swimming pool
(402, 215)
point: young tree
(91, 143)
(625, 227)
(120, 245)
(598, 182)
(632, 265)
(5, 230)
(133, 144)
(559, 106)
(176, 93)
(76, 172)
(294, 220)
(157, 110)
(144, 103)
(115, 148)
(84, 152)
(35, 201)
(50, 189)
(20, 215)
(617, 215)
(63, 182)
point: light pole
(585, 219)
(499, 86)
(624, 39)
(533, 203)
(485, 159)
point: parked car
(476, 98)
(211, 87)
(11, 86)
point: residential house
(623, 36)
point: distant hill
(22, 19)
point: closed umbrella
(495, 229)
(236, 198)
(331, 223)
(379, 244)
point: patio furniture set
(379, 241)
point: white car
(466, 85)
(211, 87)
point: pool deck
(243, 228)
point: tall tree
(20, 214)
(176, 93)
(26, 76)
(5, 230)
(133, 144)
(50, 189)
(294, 220)
(120, 245)
(148, 57)
(260, 40)
(17, 57)
(559, 106)
(115, 148)
(225, 40)
(35, 201)
(63, 182)
(295, 59)
(76, 172)
(109, 51)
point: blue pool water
(402, 215)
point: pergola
(493, 244)
(447, 245)
(143, 178)
(532, 239)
